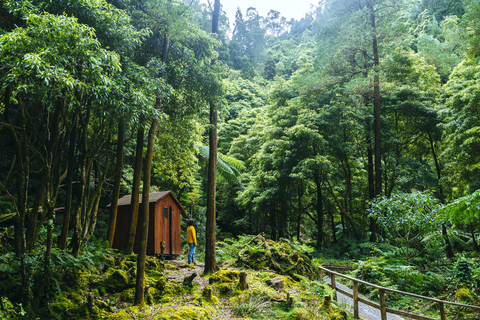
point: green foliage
(407, 218)
(10, 311)
(464, 271)
(463, 210)
(249, 305)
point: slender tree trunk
(448, 245)
(437, 166)
(10, 172)
(299, 218)
(62, 240)
(273, 223)
(22, 179)
(144, 217)
(376, 104)
(210, 259)
(319, 212)
(334, 230)
(112, 221)
(134, 205)
(144, 210)
(81, 205)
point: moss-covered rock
(208, 295)
(116, 281)
(59, 307)
(128, 295)
(224, 276)
(185, 313)
(264, 254)
(161, 284)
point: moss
(116, 281)
(59, 307)
(464, 295)
(121, 315)
(224, 276)
(300, 314)
(185, 313)
(76, 297)
(152, 263)
(102, 291)
(208, 295)
(161, 284)
(262, 254)
(128, 295)
(101, 304)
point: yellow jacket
(191, 238)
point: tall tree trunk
(299, 218)
(81, 206)
(22, 179)
(134, 205)
(376, 104)
(448, 245)
(334, 230)
(143, 217)
(144, 210)
(319, 212)
(210, 259)
(112, 221)
(62, 240)
(273, 223)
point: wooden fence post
(383, 305)
(355, 300)
(334, 286)
(321, 274)
(442, 311)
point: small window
(165, 213)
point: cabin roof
(154, 197)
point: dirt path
(365, 311)
(223, 312)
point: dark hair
(190, 222)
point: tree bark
(210, 259)
(112, 221)
(134, 205)
(319, 212)
(62, 240)
(144, 210)
(144, 217)
(376, 105)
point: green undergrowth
(100, 284)
(457, 282)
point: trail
(365, 311)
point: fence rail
(382, 306)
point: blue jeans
(191, 253)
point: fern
(463, 210)
(228, 168)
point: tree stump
(187, 281)
(290, 301)
(243, 281)
(328, 301)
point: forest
(350, 137)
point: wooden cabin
(164, 224)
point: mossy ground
(105, 289)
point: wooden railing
(382, 305)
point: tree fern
(227, 167)
(464, 210)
